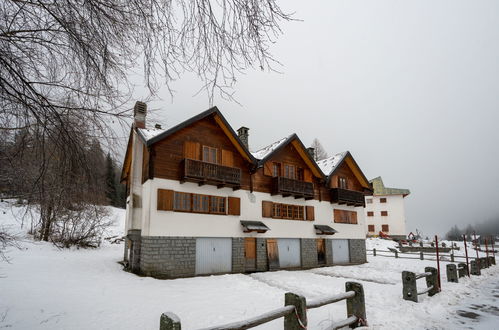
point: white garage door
(213, 255)
(341, 253)
(289, 252)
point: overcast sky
(411, 88)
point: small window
(370, 228)
(369, 200)
(276, 169)
(200, 203)
(370, 213)
(182, 201)
(384, 213)
(342, 183)
(210, 155)
(384, 228)
(382, 200)
(217, 205)
(289, 171)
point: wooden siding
(170, 152)
(345, 172)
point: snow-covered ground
(46, 288)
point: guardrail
(409, 286)
(294, 312)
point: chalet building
(199, 202)
(385, 211)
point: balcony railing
(349, 197)
(203, 172)
(289, 187)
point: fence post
(432, 281)
(462, 269)
(421, 255)
(357, 304)
(475, 268)
(396, 254)
(409, 289)
(492, 260)
(438, 266)
(452, 273)
(169, 321)
(298, 319)
(452, 257)
(466, 250)
(374, 252)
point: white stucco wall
(134, 208)
(170, 223)
(396, 214)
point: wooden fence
(409, 286)
(393, 253)
(294, 312)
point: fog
(411, 88)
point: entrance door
(213, 255)
(321, 251)
(250, 253)
(341, 252)
(289, 252)
(272, 254)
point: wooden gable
(348, 169)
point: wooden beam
(304, 155)
(231, 137)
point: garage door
(341, 253)
(213, 255)
(289, 252)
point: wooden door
(250, 253)
(272, 254)
(321, 251)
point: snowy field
(46, 288)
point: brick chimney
(243, 133)
(139, 114)
(311, 152)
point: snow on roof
(329, 164)
(264, 152)
(149, 133)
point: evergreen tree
(111, 191)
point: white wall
(134, 212)
(170, 223)
(396, 214)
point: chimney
(311, 152)
(139, 114)
(243, 134)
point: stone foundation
(357, 251)
(308, 251)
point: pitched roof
(380, 189)
(329, 164)
(152, 135)
(263, 152)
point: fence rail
(393, 253)
(409, 286)
(294, 312)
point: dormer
(289, 167)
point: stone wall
(134, 240)
(238, 260)
(168, 257)
(329, 252)
(357, 251)
(308, 251)
(261, 255)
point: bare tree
(319, 151)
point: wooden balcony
(209, 173)
(348, 197)
(289, 187)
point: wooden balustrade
(210, 173)
(290, 187)
(349, 197)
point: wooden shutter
(266, 209)
(370, 228)
(272, 253)
(165, 200)
(267, 168)
(384, 213)
(384, 228)
(192, 150)
(310, 213)
(250, 248)
(307, 175)
(227, 158)
(370, 213)
(353, 217)
(234, 206)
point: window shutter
(267, 168)
(266, 209)
(307, 175)
(165, 200)
(234, 206)
(310, 213)
(192, 150)
(227, 158)
(370, 228)
(353, 217)
(384, 228)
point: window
(217, 204)
(384, 213)
(289, 171)
(370, 213)
(182, 201)
(369, 200)
(200, 203)
(370, 228)
(210, 155)
(382, 200)
(288, 211)
(384, 228)
(276, 169)
(342, 183)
